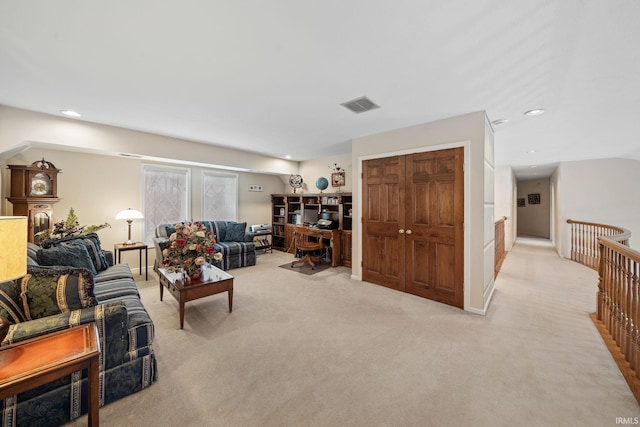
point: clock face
(40, 185)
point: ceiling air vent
(360, 105)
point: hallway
(545, 301)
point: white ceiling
(268, 76)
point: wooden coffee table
(31, 363)
(221, 281)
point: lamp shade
(13, 247)
(129, 214)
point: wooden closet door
(412, 224)
(434, 236)
(383, 258)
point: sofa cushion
(45, 291)
(10, 307)
(118, 271)
(219, 229)
(73, 255)
(107, 290)
(91, 241)
(235, 231)
(32, 253)
(139, 326)
(170, 229)
(236, 254)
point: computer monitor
(310, 217)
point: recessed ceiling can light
(287, 157)
(531, 151)
(70, 113)
(499, 122)
(535, 112)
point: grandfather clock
(34, 190)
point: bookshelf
(337, 207)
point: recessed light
(533, 166)
(70, 113)
(531, 151)
(499, 122)
(535, 112)
(287, 157)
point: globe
(322, 183)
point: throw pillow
(46, 291)
(32, 252)
(92, 243)
(169, 229)
(235, 231)
(10, 302)
(68, 255)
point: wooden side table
(118, 248)
(32, 363)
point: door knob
(401, 231)
(409, 231)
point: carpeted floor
(324, 350)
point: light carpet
(325, 350)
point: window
(219, 195)
(166, 196)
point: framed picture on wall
(521, 202)
(338, 179)
(534, 199)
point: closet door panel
(383, 215)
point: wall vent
(360, 105)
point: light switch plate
(255, 187)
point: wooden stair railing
(617, 314)
(584, 240)
(500, 252)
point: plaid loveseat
(232, 240)
(127, 362)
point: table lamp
(13, 254)
(129, 215)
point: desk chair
(306, 244)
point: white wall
(473, 132)
(535, 220)
(504, 202)
(604, 191)
(311, 170)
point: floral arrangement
(69, 227)
(190, 247)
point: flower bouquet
(190, 247)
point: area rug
(306, 268)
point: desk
(37, 361)
(118, 248)
(332, 235)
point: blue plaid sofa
(110, 299)
(232, 240)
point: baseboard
(488, 295)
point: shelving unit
(263, 241)
(334, 206)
